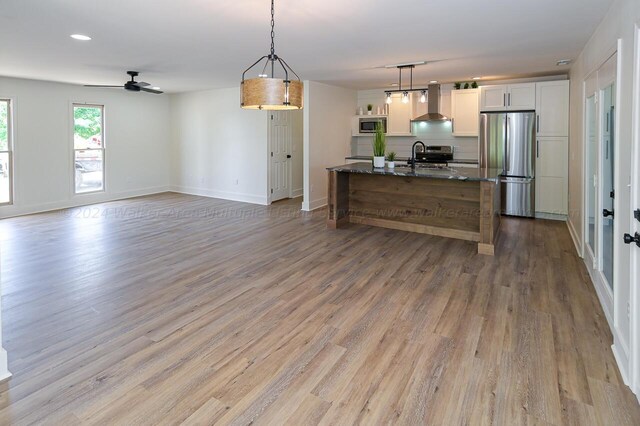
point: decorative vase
(391, 164)
(360, 111)
(378, 162)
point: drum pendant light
(268, 92)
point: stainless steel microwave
(368, 125)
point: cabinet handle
(537, 149)
(452, 126)
(509, 99)
(504, 99)
(538, 123)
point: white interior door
(280, 134)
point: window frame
(10, 148)
(75, 105)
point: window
(6, 153)
(88, 148)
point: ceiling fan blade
(141, 83)
(157, 92)
(101, 85)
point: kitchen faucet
(413, 152)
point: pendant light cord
(273, 23)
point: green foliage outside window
(87, 121)
(4, 124)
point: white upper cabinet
(552, 112)
(465, 109)
(493, 98)
(508, 97)
(521, 96)
(400, 115)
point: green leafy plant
(391, 156)
(474, 85)
(466, 85)
(457, 85)
(369, 107)
(379, 141)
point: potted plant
(474, 85)
(457, 85)
(391, 160)
(369, 109)
(466, 85)
(379, 146)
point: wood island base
(452, 208)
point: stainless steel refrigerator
(508, 142)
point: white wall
(136, 142)
(327, 136)
(219, 149)
(618, 24)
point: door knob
(628, 239)
(288, 155)
(606, 213)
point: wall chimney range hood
(433, 106)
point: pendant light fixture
(267, 91)
(404, 91)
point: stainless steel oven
(368, 124)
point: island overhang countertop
(454, 173)
(462, 203)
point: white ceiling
(196, 44)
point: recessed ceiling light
(563, 62)
(476, 78)
(393, 84)
(433, 81)
(263, 75)
(80, 37)
(155, 88)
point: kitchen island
(462, 203)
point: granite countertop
(457, 173)
(404, 159)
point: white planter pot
(369, 112)
(391, 164)
(378, 162)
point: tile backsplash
(432, 133)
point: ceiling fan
(132, 85)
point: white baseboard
(574, 237)
(314, 205)
(622, 359)
(77, 201)
(211, 193)
(551, 216)
(297, 193)
(604, 295)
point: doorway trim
(635, 203)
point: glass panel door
(607, 111)
(591, 172)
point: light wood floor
(175, 308)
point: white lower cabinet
(552, 175)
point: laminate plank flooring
(176, 309)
